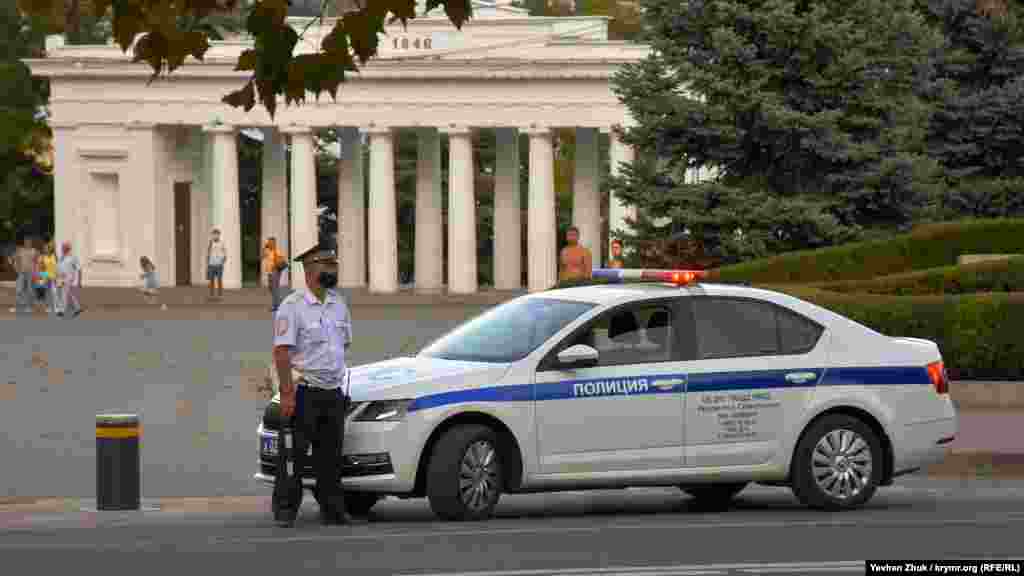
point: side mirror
(578, 356)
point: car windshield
(508, 332)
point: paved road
(194, 383)
(638, 532)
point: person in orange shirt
(576, 260)
(273, 264)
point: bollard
(117, 462)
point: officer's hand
(287, 405)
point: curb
(192, 505)
(978, 464)
(963, 465)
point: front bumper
(371, 462)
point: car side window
(731, 327)
(737, 327)
(798, 335)
(633, 335)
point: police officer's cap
(318, 254)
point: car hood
(411, 377)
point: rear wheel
(464, 477)
(837, 464)
(716, 495)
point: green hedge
(928, 246)
(993, 276)
(979, 335)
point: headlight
(384, 411)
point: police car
(675, 382)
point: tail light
(937, 374)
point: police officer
(312, 334)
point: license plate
(269, 445)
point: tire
(715, 495)
(859, 468)
(459, 450)
(360, 503)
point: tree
(24, 136)
(173, 31)
(809, 113)
(978, 126)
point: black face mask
(328, 280)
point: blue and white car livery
(703, 386)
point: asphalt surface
(639, 532)
(194, 383)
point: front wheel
(464, 477)
(837, 464)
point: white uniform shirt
(318, 333)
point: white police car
(703, 386)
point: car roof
(610, 294)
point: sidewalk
(989, 443)
(259, 298)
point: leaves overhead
(173, 30)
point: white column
(462, 268)
(508, 237)
(429, 228)
(274, 194)
(586, 213)
(351, 210)
(541, 225)
(383, 212)
(304, 230)
(66, 185)
(202, 166)
(619, 153)
(225, 214)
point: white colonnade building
(151, 169)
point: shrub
(978, 334)
(993, 276)
(927, 246)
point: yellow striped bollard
(117, 462)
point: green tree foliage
(625, 23)
(808, 112)
(978, 125)
(25, 186)
(171, 31)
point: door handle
(800, 377)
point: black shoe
(331, 518)
(285, 520)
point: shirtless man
(575, 260)
(616, 260)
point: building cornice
(93, 68)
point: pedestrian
(24, 264)
(576, 260)
(616, 258)
(312, 335)
(216, 256)
(274, 263)
(150, 281)
(39, 281)
(49, 271)
(69, 269)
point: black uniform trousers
(319, 421)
